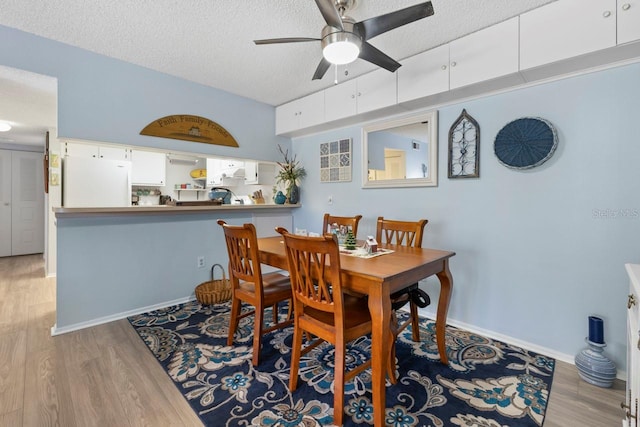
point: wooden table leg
(446, 286)
(380, 309)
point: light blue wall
(107, 100)
(534, 258)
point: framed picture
(335, 161)
(464, 147)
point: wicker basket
(215, 290)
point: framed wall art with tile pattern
(335, 161)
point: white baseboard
(563, 357)
(101, 320)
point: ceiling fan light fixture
(341, 47)
(5, 127)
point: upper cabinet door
(340, 101)
(564, 29)
(628, 21)
(113, 153)
(484, 55)
(376, 90)
(301, 113)
(75, 149)
(287, 117)
(81, 150)
(424, 74)
(148, 168)
(311, 110)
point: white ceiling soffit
(211, 42)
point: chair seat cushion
(274, 284)
(356, 310)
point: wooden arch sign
(190, 128)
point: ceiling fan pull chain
(335, 80)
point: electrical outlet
(200, 262)
(330, 200)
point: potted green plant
(290, 175)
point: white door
(5, 203)
(395, 164)
(27, 203)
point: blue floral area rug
(486, 384)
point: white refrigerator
(95, 182)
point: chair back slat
(403, 233)
(314, 269)
(242, 247)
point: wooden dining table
(379, 277)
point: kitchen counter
(164, 210)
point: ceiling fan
(343, 40)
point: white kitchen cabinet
(484, 55)
(224, 172)
(633, 347)
(301, 113)
(565, 29)
(260, 173)
(340, 101)
(424, 74)
(371, 91)
(148, 168)
(628, 20)
(78, 149)
(376, 90)
(213, 171)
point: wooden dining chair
(348, 221)
(249, 285)
(403, 233)
(322, 309)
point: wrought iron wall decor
(464, 147)
(335, 161)
(525, 143)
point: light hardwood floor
(105, 376)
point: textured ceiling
(211, 41)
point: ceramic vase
(294, 193)
(594, 366)
(280, 198)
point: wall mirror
(401, 152)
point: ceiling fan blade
(375, 56)
(330, 13)
(323, 66)
(286, 40)
(372, 27)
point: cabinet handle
(627, 408)
(352, 96)
(444, 67)
(607, 13)
(631, 301)
(359, 94)
(453, 64)
(626, 6)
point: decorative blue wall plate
(525, 143)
